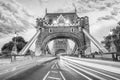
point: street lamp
(111, 33)
(112, 46)
(14, 49)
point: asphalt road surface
(66, 68)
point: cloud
(107, 17)
(14, 17)
(103, 14)
(43, 1)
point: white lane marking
(86, 71)
(55, 62)
(54, 71)
(98, 72)
(99, 66)
(62, 75)
(54, 78)
(88, 78)
(57, 66)
(46, 75)
(52, 66)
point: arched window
(50, 30)
(72, 30)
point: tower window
(72, 30)
(50, 30)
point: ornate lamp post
(14, 50)
(112, 46)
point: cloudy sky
(103, 14)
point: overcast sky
(103, 14)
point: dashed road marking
(54, 78)
(62, 75)
(54, 71)
(52, 66)
(57, 66)
(46, 75)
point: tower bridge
(55, 26)
(59, 28)
(62, 26)
(60, 46)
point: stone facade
(62, 26)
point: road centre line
(52, 66)
(57, 66)
(54, 71)
(46, 75)
(62, 75)
(54, 78)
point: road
(92, 69)
(15, 68)
(66, 68)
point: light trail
(88, 78)
(96, 71)
(97, 61)
(99, 66)
(94, 75)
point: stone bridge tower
(62, 26)
(60, 46)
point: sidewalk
(7, 62)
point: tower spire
(45, 10)
(74, 7)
